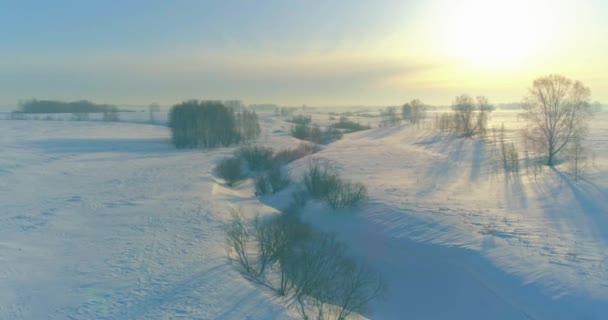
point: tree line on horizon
(54, 106)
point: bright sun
(495, 34)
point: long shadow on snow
(593, 204)
(77, 145)
(438, 281)
(445, 170)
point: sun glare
(495, 34)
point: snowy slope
(496, 245)
(108, 221)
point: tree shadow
(516, 195)
(479, 154)
(592, 200)
(445, 170)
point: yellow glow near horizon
(492, 34)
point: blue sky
(287, 52)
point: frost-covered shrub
(307, 266)
(300, 151)
(301, 119)
(331, 134)
(315, 134)
(277, 179)
(349, 126)
(271, 181)
(229, 169)
(261, 185)
(258, 158)
(346, 194)
(320, 178)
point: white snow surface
(109, 221)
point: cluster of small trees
(283, 111)
(247, 126)
(557, 111)
(263, 164)
(315, 134)
(413, 111)
(208, 124)
(301, 119)
(469, 117)
(323, 182)
(389, 117)
(348, 125)
(303, 265)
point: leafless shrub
(413, 111)
(320, 178)
(327, 282)
(389, 117)
(300, 151)
(299, 198)
(271, 181)
(238, 239)
(258, 158)
(346, 194)
(300, 264)
(471, 115)
(230, 169)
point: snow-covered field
(109, 221)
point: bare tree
(413, 111)
(389, 117)
(557, 110)
(471, 115)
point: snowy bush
(320, 178)
(413, 111)
(271, 181)
(300, 131)
(277, 179)
(349, 126)
(301, 119)
(331, 134)
(323, 182)
(346, 194)
(314, 133)
(229, 169)
(471, 115)
(389, 117)
(258, 158)
(300, 151)
(303, 265)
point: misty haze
(325, 160)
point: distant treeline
(51, 106)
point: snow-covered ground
(108, 221)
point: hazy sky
(347, 52)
